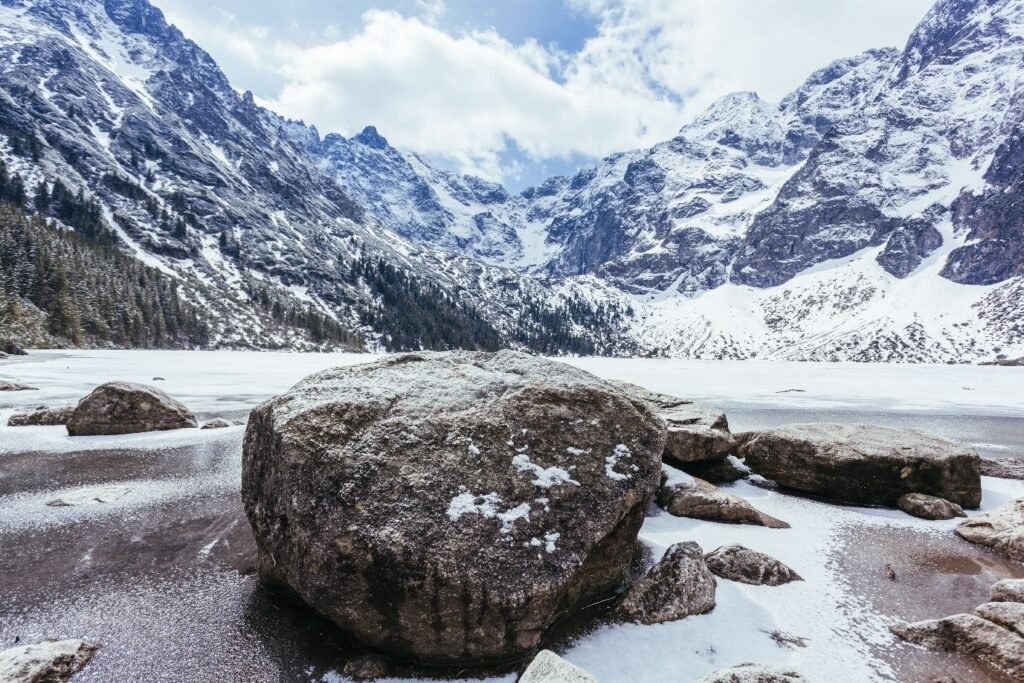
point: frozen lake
(161, 575)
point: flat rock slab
(971, 635)
(547, 667)
(929, 507)
(1008, 590)
(127, 408)
(754, 673)
(739, 563)
(696, 432)
(865, 464)
(51, 661)
(1001, 529)
(41, 417)
(446, 508)
(683, 495)
(678, 586)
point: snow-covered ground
(160, 550)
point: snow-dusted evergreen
(874, 213)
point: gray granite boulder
(1001, 529)
(127, 408)
(683, 495)
(696, 432)
(864, 463)
(739, 563)
(51, 661)
(1007, 590)
(678, 586)
(446, 508)
(547, 667)
(754, 673)
(929, 507)
(41, 417)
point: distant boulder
(41, 417)
(864, 463)
(929, 507)
(739, 563)
(51, 661)
(127, 408)
(217, 423)
(683, 495)
(446, 508)
(1001, 529)
(14, 386)
(678, 586)
(12, 349)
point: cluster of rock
(993, 632)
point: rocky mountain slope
(872, 214)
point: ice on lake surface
(159, 570)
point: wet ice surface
(161, 573)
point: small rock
(695, 432)
(678, 586)
(1001, 529)
(42, 417)
(368, 667)
(1003, 468)
(14, 386)
(717, 471)
(547, 667)
(51, 661)
(865, 463)
(754, 673)
(217, 423)
(969, 634)
(1008, 590)
(1007, 614)
(159, 379)
(92, 495)
(929, 507)
(127, 408)
(685, 496)
(739, 563)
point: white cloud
(652, 65)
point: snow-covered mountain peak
(742, 121)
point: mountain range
(874, 213)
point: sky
(519, 90)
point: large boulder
(127, 408)
(447, 508)
(547, 667)
(683, 495)
(1001, 529)
(754, 673)
(1008, 590)
(864, 463)
(739, 563)
(929, 507)
(680, 585)
(972, 635)
(41, 417)
(51, 661)
(696, 432)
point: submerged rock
(14, 386)
(1001, 529)
(864, 463)
(42, 417)
(696, 432)
(447, 508)
(739, 563)
(127, 408)
(929, 507)
(217, 423)
(1007, 590)
(685, 496)
(754, 673)
(547, 667)
(678, 586)
(971, 635)
(51, 661)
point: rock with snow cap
(865, 463)
(678, 586)
(739, 563)
(696, 432)
(51, 661)
(127, 408)
(1001, 529)
(547, 667)
(41, 417)
(929, 507)
(754, 673)
(684, 495)
(447, 508)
